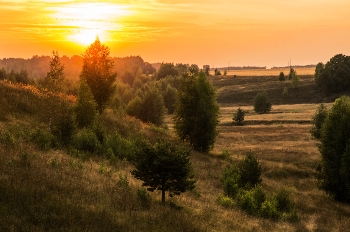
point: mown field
(56, 190)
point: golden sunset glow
(253, 32)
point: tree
(318, 120)
(167, 69)
(55, 76)
(335, 75)
(281, 76)
(239, 116)
(97, 73)
(262, 104)
(295, 79)
(285, 91)
(85, 109)
(196, 112)
(206, 71)
(334, 171)
(164, 166)
(194, 69)
(292, 72)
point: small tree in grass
(281, 76)
(164, 166)
(239, 116)
(262, 104)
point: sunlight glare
(88, 20)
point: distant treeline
(297, 66)
(239, 68)
(38, 66)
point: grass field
(55, 190)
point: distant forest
(38, 66)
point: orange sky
(238, 32)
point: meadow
(58, 190)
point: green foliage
(250, 171)
(164, 166)
(194, 69)
(87, 141)
(251, 200)
(97, 73)
(85, 109)
(284, 201)
(196, 112)
(8, 139)
(224, 201)
(63, 125)
(150, 108)
(231, 179)
(335, 75)
(293, 76)
(318, 120)
(262, 104)
(246, 174)
(239, 116)
(334, 172)
(144, 198)
(167, 69)
(44, 140)
(281, 76)
(55, 77)
(268, 209)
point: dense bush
(262, 104)
(281, 76)
(318, 120)
(86, 140)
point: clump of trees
(293, 76)
(334, 76)
(242, 183)
(262, 104)
(196, 112)
(332, 129)
(167, 69)
(164, 166)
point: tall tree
(97, 73)
(85, 109)
(164, 166)
(196, 113)
(55, 76)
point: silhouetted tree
(97, 73)
(281, 76)
(167, 69)
(55, 76)
(164, 166)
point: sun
(85, 21)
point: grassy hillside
(241, 90)
(47, 188)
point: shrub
(86, 140)
(231, 180)
(250, 171)
(285, 92)
(262, 104)
(251, 200)
(224, 201)
(44, 140)
(239, 116)
(144, 197)
(8, 139)
(318, 120)
(281, 76)
(268, 209)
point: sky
(214, 32)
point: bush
(144, 197)
(262, 104)
(268, 209)
(250, 171)
(44, 140)
(231, 180)
(318, 120)
(284, 201)
(239, 116)
(281, 76)
(86, 140)
(251, 200)
(224, 201)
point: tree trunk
(163, 191)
